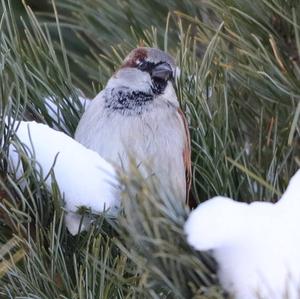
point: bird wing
(186, 154)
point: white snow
(257, 245)
(83, 177)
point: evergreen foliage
(239, 87)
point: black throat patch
(127, 101)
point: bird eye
(143, 65)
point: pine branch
(239, 88)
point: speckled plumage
(127, 101)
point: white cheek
(170, 95)
(131, 78)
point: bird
(137, 115)
(85, 180)
(256, 245)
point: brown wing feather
(186, 154)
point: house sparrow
(137, 115)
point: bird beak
(162, 71)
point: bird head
(148, 70)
